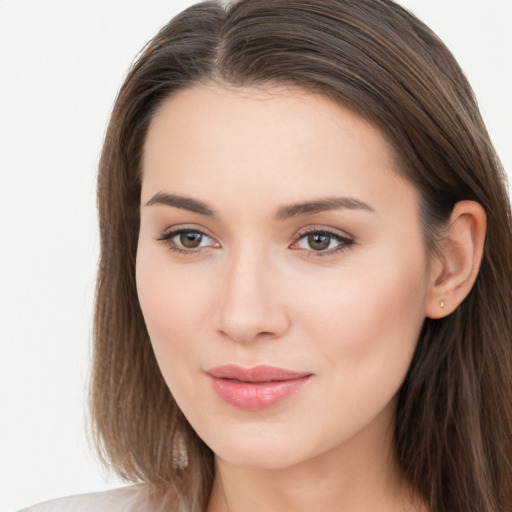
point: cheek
(367, 317)
(175, 303)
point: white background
(61, 63)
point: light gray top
(125, 499)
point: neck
(359, 476)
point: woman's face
(281, 271)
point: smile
(255, 388)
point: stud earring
(442, 304)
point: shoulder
(125, 499)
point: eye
(186, 240)
(190, 239)
(322, 242)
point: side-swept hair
(453, 428)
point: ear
(454, 271)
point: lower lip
(256, 395)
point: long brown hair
(453, 430)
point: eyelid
(319, 228)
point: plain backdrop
(61, 64)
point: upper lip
(260, 373)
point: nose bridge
(249, 303)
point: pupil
(318, 242)
(190, 239)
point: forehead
(283, 144)
(257, 116)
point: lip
(258, 387)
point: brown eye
(322, 242)
(185, 241)
(318, 241)
(190, 239)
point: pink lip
(255, 388)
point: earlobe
(460, 253)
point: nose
(250, 304)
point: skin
(257, 290)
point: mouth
(255, 388)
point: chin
(261, 448)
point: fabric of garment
(125, 499)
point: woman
(304, 294)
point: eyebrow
(285, 212)
(322, 205)
(184, 203)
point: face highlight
(281, 271)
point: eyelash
(167, 237)
(344, 242)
